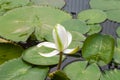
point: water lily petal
(60, 37)
(71, 51)
(47, 44)
(69, 36)
(53, 53)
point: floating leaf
(2, 11)
(105, 4)
(94, 29)
(118, 42)
(77, 39)
(10, 4)
(111, 75)
(18, 70)
(32, 56)
(9, 51)
(44, 33)
(116, 56)
(92, 16)
(118, 31)
(76, 25)
(111, 7)
(20, 23)
(113, 15)
(6, 5)
(80, 71)
(58, 75)
(53, 3)
(98, 48)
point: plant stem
(60, 61)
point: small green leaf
(76, 25)
(105, 4)
(94, 29)
(92, 16)
(79, 71)
(18, 70)
(32, 56)
(98, 48)
(113, 15)
(53, 3)
(9, 51)
(111, 75)
(58, 75)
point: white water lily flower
(62, 39)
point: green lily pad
(9, 51)
(32, 56)
(118, 42)
(79, 70)
(77, 39)
(2, 11)
(18, 70)
(105, 4)
(118, 31)
(116, 56)
(111, 75)
(92, 16)
(113, 15)
(76, 25)
(98, 48)
(10, 4)
(20, 23)
(53, 3)
(94, 29)
(44, 35)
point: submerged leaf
(9, 51)
(58, 75)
